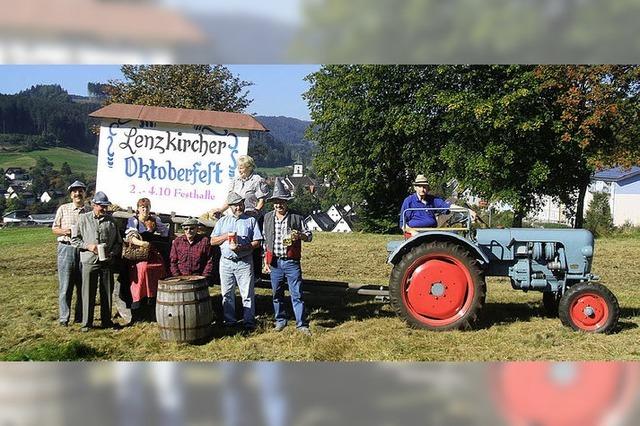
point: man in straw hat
(69, 270)
(100, 242)
(238, 235)
(421, 199)
(284, 232)
(191, 252)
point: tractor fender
(431, 236)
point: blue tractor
(438, 276)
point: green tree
(500, 139)
(365, 146)
(14, 204)
(596, 118)
(503, 132)
(181, 86)
(65, 169)
(468, 31)
(41, 175)
(4, 182)
(305, 202)
(598, 219)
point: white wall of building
(334, 214)
(342, 226)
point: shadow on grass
(70, 351)
(506, 313)
(329, 311)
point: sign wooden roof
(225, 120)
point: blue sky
(286, 10)
(277, 89)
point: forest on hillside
(47, 116)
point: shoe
(248, 330)
(64, 323)
(305, 331)
(280, 326)
(85, 329)
(112, 325)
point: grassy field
(346, 328)
(275, 171)
(80, 162)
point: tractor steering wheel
(455, 218)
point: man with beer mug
(99, 242)
(284, 232)
(237, 235)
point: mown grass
(275, 171)
(346, 328)
(80, 162)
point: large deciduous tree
(208, 87)
(365, 145)
(597, 117)
(507, 133)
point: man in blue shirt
(421, 200)
(237, 235)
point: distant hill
(286, 129)
(283, 144)
(45, 116)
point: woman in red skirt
(144, 274)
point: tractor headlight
(587, 251)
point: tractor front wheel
(437, 286)
(589, 307)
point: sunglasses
(188, 228)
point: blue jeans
(238, 273)
(289, 270)
(69, 277)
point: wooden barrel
(183, 309)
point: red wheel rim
(438, 289)
(583, 393)
(589, 311)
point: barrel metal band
(184, 328)
(186, 290)
(189, 302)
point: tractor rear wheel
(437, 286)
(589, 307)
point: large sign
(182, 169)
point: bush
(598, 219)
(501, 219)
(628, 230)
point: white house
(50, 195)
(623, 187)
(343, 225)
(334, 213)
(16, 173)
(550, 212)
(319, 221)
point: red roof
(108, 21)
(225, 120)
